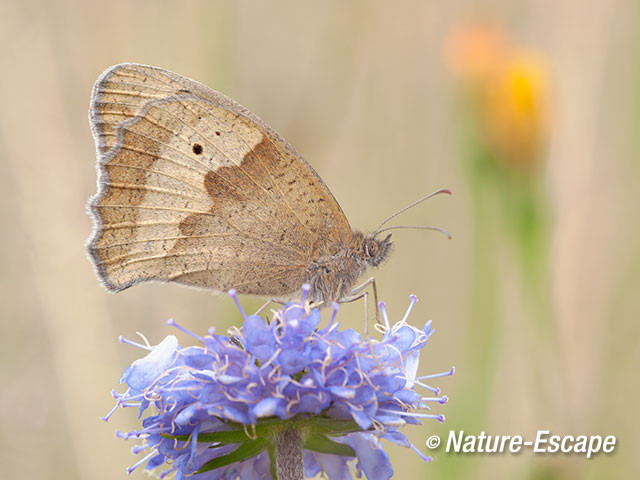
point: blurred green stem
(485, 318)
(527, 221)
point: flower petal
(144, 371)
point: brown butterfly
(195, 189)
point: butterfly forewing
(196, 189)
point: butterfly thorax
(334, 273)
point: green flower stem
(485, 320)
(289, 458)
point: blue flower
(213, 409)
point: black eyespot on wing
(197, 148)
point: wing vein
(151, 188)
(158, 172)
(172, 209)
(230, 266)
(141, 85)
(182, 237)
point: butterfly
(195, 189)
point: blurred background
(529, 111)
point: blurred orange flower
(511, 92)
(472, 52)
(516, 108)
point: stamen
(427, 329)
(336, 307)
(305, 290)
(429, 416)
(172, 323)
(136, 449)
(385, 317)
(194, 442)
(140, 462)
(140, 396)
(441, 400)
(233, 294)
(436, 375)
(167, 472)
(414, 300)
(435, 390)
(111, 412)
(379, 328)
(126, 341)
(422, 455)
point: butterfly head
(375, 250)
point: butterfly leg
(353, 298)
(370, 281)
(357, 294)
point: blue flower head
(212, 409)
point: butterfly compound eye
(376, 251)
(370, 247)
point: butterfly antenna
(416, 227)
(417, 202)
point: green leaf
(322, 444)
(272, 460)
(333, 427)
(225, 437)
(245, 451)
